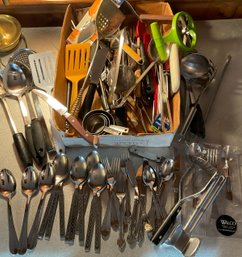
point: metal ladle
(18, 137)
(97, 180)
(7, 191)
(29, 184)
(46, 183)
(78, 174)
(15, 83)
(195, 67)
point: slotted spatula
(43, 70)
(76, 66)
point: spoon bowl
(78, 171)
(7, 191)
(7, 184)
(166, 169)
(29, 182)
(149, 176)
(97, 177)
(92, 159)
(61, 165)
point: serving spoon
(29, 185)
(46, 183)
(7, 191)
(15, 83)
(18, 137)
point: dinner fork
(106, 224)
(120, 190)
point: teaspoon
(46, 183)
(7, 191)
(97, 180)
(78, 174)
(29, 184)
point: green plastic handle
(176, 34)
(159, 42)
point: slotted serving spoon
(76, 66)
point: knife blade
(62, 110)
(95, 74)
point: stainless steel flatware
(97, 180)
(61, 166)
(78, 175)
(46, 183)
(7, 191)
(29, 184)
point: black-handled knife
(95, 74)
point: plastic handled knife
(62, 110)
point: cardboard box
(141, 139)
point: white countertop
(215, 39)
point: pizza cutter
(182, 33)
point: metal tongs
(179, 235)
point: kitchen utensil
(29, 185)
(15, 84)
(7, 191)
(218, 82)
(95, 74)
(10, 33)
(92, 159)
(174, 61)
(78, 175)
(181, 236)
(60, 163)
(182, 33)
(150, 180)
(62, 110)
(106, 224)
(226, 155)
(120, 191)
(194, 66)
(76, 66)
(160, 236)
(46, 180)
(18, 137)
(95, 121)
(42, 67)
(21, 58)
(108, 18)
(97, 180)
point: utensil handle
(121, 241)
(61, 213)
(13, 239)
(23, 243)
(38, 138)
(71, 225)
(98, 225)
(49, 146)
(90, 228)
(78, 127)
(46, 215)
(81, 224)
(87, 103)
(33, 234)
(22, 149)
(106, 225)
(114, 214)
(52, 214)
(131, 238)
